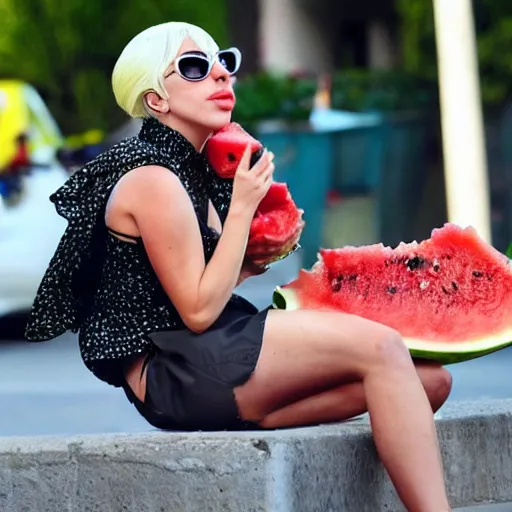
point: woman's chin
(219, 120)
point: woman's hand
(250, 269)
(251, 184)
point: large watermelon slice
(450, 296)
(277, 223)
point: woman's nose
(219, 72)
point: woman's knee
(389, 349)
(377, 345)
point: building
(315, 35)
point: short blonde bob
(140, 67)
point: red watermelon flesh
(450, 296)
(277, 218)
(225, 149)
(276, 227)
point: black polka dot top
(103, 287)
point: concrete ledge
(320, 469)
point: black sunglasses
(195, 67)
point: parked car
(30, 171)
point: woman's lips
(225, 100)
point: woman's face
(193, 104)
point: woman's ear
(155, 102)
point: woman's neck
(196, 135)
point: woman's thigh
(305, 352)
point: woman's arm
(248, 269)
(167, 223)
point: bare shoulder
(138, 185)
(141, 191)
(149, 178)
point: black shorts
(191, 377)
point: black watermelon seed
(392, 289)
(477, 274)
(339, 277)
(415, 263)
(231, 157)
(454, 285)
(445, 290)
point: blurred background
(345, 93)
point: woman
(147, 267)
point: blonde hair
(140, 67)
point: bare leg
(307, 352)
(348, 401)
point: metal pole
(467, 188)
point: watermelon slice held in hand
(277, 223)
(276, 227)
(450, 296)
(225, 149)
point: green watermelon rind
(281, 257)
(445, 353)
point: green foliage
(493, 25)
(67, 49)
(381, 90)
(418, 44)
(267, 96)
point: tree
(493, 24)
(67, 50)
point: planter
(403, 176)
(387, 160)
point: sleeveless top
(103, 287)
